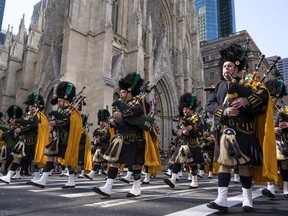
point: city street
(17, 198)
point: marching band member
(277, 91)
(101, 140)
(32, 132)
(65, 134)
(128, 145)
(14, 112)
(35, 150)
(188, 151)
(242, 143)
(207, 145)
(3, 148)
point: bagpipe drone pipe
(145, 122)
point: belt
(246, 127)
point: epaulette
(176, 118)
(210, 88)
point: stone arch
(166, 9)
(167, 107)
(162, 70)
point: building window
(214, 56)
(205, 58)
(212, 75)
(115, 8)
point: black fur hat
(36, 100)
(14, 111)
(235, 53)
(131, 82)
(65, 90)
(103, 115)
(276, 87)
(187, 100)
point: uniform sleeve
(133, 111)
(30, 124)
(213, 107)
(258, 101)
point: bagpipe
(60, 114)
(193, 120)
(19, 149)
(249, 83)
(77, 102)
(145, 122)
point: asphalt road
(17, 198)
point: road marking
(11, 186)
(203, 210)
(74, 195)
(117, 202)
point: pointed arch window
(115, 10)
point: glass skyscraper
(2, 7)
(216, 18)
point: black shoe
(124, 180)
(103, 173)
(214, 205)
(132, 195)
(267, 193)
(168, 182)
(167, 174)
(247, 208)
(192, 187)
(87, 176)
(37, 185)
(285, 195)
(145, 182)
(200, 176)
(68, 186)
(28, 183)
(98, 191)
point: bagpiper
(245, 114)
(65, 133)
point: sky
(266, 21)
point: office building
(2, 7)
(216, 18)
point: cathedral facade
(94, 43)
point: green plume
(135, 81)
(68, 90)
(35, 95)
(14, 111)
(280, 83)
(193, 96)
(245, 50)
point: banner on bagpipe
(145, 122)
